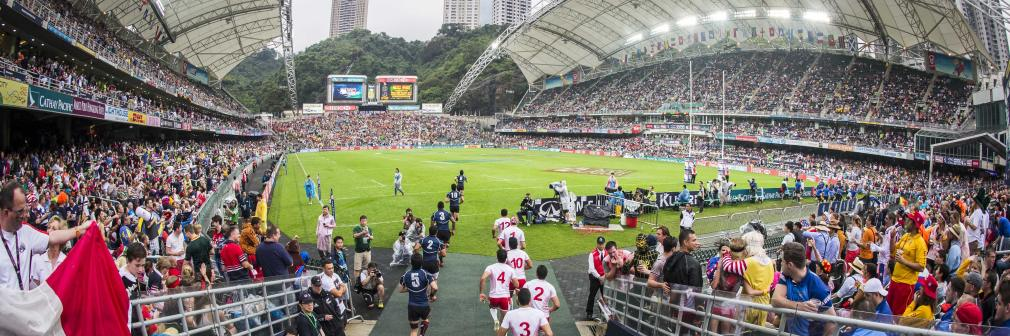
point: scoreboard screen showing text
(397, 89)
(346, 89)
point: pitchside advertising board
(397, 89)
(345, 89)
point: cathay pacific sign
(52, 101)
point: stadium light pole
(722, 148)
(690, 102)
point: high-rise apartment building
(506, 12)
(348, 15)
(465, 13)
(982, 16)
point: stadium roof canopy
(566, 34)
(212, 34)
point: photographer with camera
(526, 213)
(371, 281)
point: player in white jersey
(513, 231)
(519, 261)
(502, 278)
(525, 320)
(501, 223)
(545, 297)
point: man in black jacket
(306, 322)
(682, 271)
(327, 309)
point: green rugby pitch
(362, 184)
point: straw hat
(957, 230)
(856, 264)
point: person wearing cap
(874, 292)
(909, 259)
(849, 288)
(919, 313)
(967, 319)
(596, 274)
(306, 322)
(328, 309)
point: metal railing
(690, 311)
(244, 309)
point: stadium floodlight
(816, 16)
(718, 16)
(745, 14)
(660, 29)
(635, 38)
(779, 13)
(687, 21)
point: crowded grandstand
(151, 186)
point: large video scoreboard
(396, 89)
(345, 89)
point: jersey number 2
(540, 293)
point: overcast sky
(409, 19)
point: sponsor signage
(403, 107)
(86, 49)
(59, 33)
(312, 108)
(13, 93)
(26, 13)
(334, 108)
(153, 121)
(138, 118)
(167, 123)
(431, 107)
(89, 108)
(51, 101)
(116, 114)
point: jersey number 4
(501, 277)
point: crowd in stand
(828, 133)
(97, 37)
(376, 129)
(798, 82)
(565, 123)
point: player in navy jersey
(421, 285)
(432, 250)
(454, 197)
(460, 181)
(441, 220)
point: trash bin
(631, 221)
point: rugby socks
(494, 315)
(423, 328)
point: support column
(5, 129)
(64, 126)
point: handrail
(621, 291)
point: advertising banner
(116, 114)
(89, 108)
(86, 49)
(431, 107)
(138, 118)
(153, 121)
(197, 74)
(60, 34)
(312, 108)
(51, 101)
(168, 123)
(333, 108)
(13, 93)
(26, 13)
(403, 107)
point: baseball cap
(874, 286)
(974, 278)
(316, 281)
(928, 286)
(601, 240)
(305, 298)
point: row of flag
(652, 48)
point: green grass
(498, 178)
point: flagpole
(722, 148)
(690, 111)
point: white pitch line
(300, 164)
(400, 221)
(379, 183)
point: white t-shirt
(175, 243)
(854, 236)
(29, 242)
(977, 219)
(42, 268)
(524, 321)
(517, 259)
(509, 232)
(501, 276)
(501, 223)
(541, 294)
(331, 282)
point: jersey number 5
(414, 281)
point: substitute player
(525, 320)
(455, 198)
(460, 180)
(501, 223)
(520, 262)
(441, 219)
(512, 231)
(421, 285)
(545, 297)
(502, 278)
